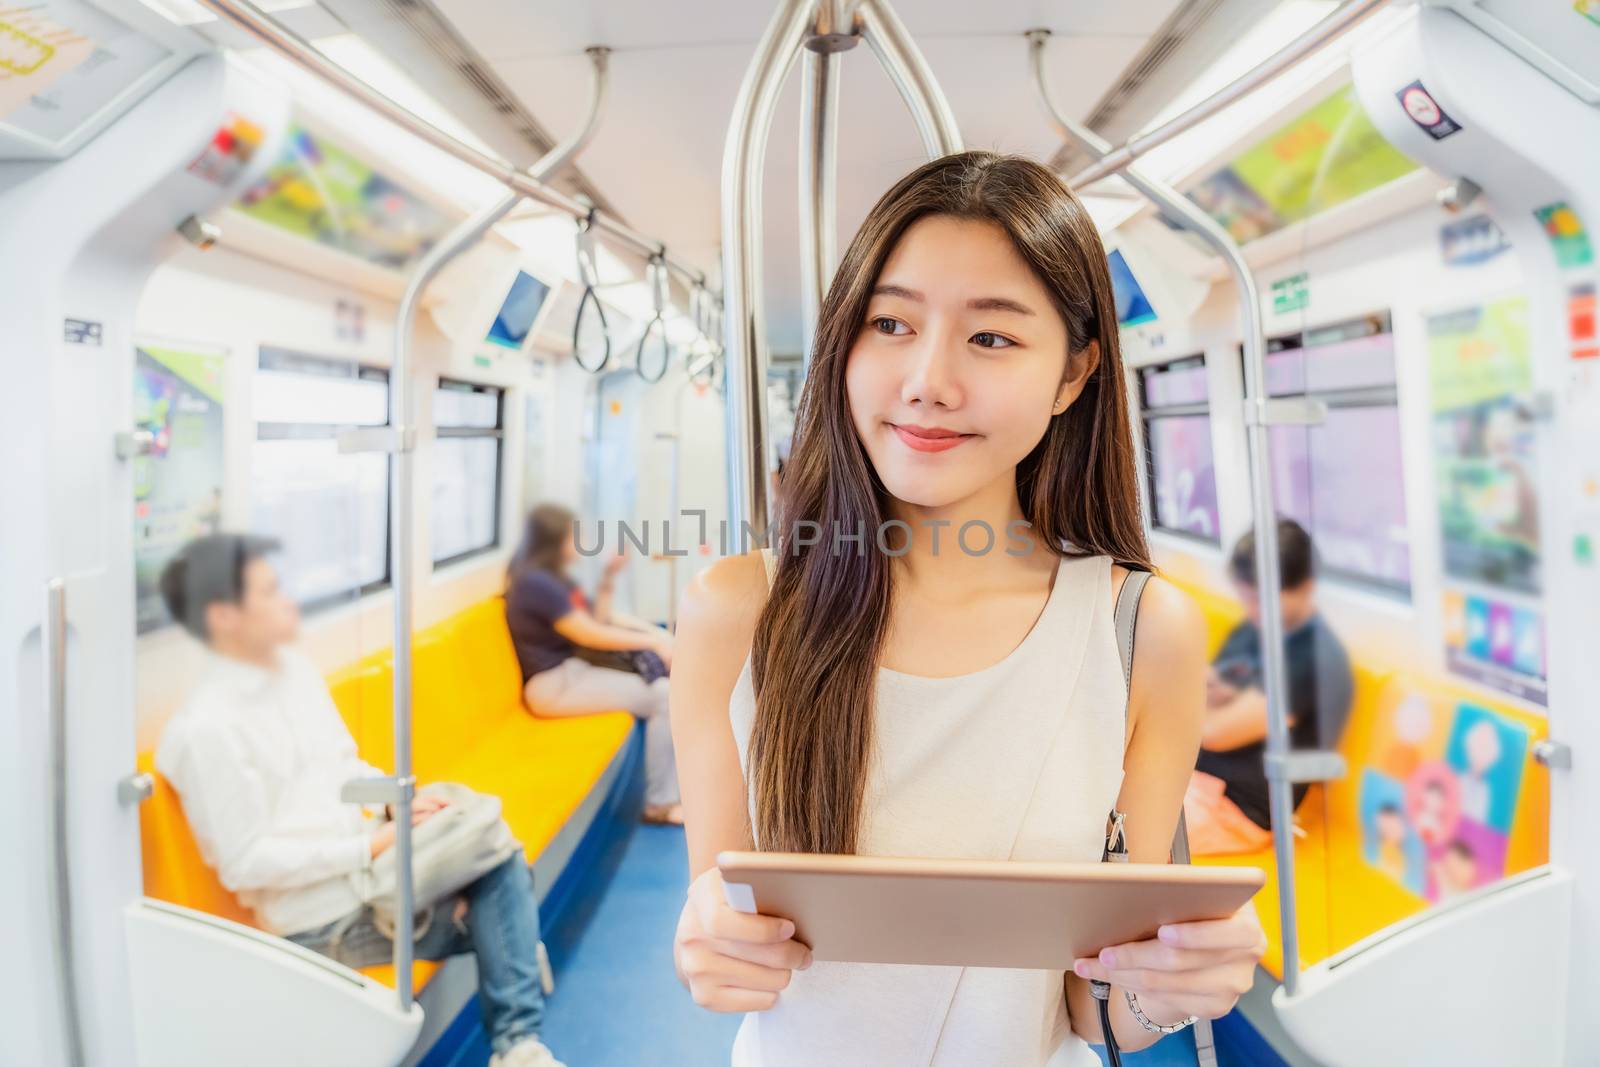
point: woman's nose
(932, 376)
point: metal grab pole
(819, 129)
(403, 443)
(53, 653)
(743, 159)
(286, 43)
(1274, 678)
(909, 71)
(1308, 43)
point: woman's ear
(1080, 365)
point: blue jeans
(501, 927)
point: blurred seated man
(258, 755)
(1226, 806)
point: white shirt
(258, 758)
(1021, 760)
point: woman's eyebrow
(999, 303)
(981, 303)
(898, 290)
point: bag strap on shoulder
(1126, 617)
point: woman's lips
(922, 439)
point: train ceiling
(676, 69)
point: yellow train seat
(468, 726)
(1342, 893)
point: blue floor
(617, 1001)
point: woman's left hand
(1198, 968)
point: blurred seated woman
(583, 659)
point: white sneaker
(529, 1053)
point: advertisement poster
(1485, 464)
(1438, 800)
(62, 62)
(177, 487)
(321, 192)
(1330, 154)
(1569, 239)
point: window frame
(321, 431)
(1351, 398)
(498, 434)
(1149, 413)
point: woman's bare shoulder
(722, 603)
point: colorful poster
(1568, 237)
(1437, 804)
(1472, 240)
(1495, 642)
(229, 151)
(35, 50)
(1485, 472)
(1583, 322)
(177, 495)
(1330, 154)
(1479, 369)
(321, 192)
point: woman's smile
(929, 438)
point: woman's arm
(716, 623)
(1192, 968)
(581, 628)
(603, 595)
(730, 961)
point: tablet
(976, 913)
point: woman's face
(569, 547)
(954, 375)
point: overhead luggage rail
(822, 28)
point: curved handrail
(399, 789)
(1313, 40)
(1268, 579)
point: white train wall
(225, 301)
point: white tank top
(1021, 760)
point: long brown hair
(814, 657)
(544, 535)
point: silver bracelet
(1155, 1028)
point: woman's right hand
(662, 646)
(732, 961)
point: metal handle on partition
(909, 71)
(794, 25)
(53, 649)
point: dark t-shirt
(534, 602)
(1320, 691)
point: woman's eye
(884, 324)
(991, 340)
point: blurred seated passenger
(1226, 806)
(582, 659)
(258, 755)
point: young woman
(956, 698)
(579, 659)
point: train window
(466, 469)
(1351, 500)
(1177, 434)
(330, 510)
